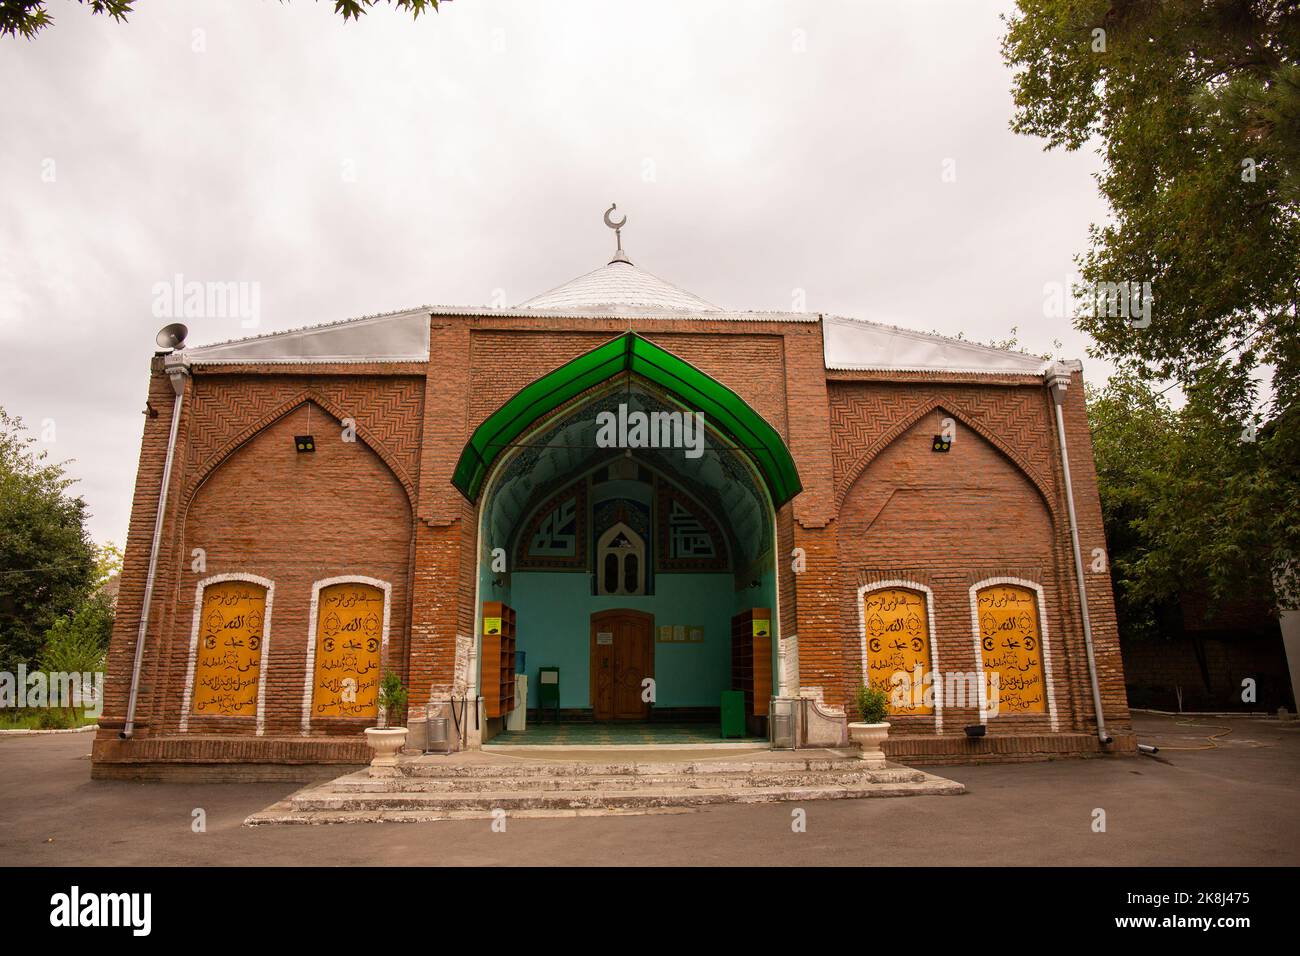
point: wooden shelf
(751, 659)
(497, 680)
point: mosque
(674, 521)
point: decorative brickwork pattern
(230, 409)
(865, 418)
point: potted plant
(870, 733)
(387, 741)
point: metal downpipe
(178, 375)
(1058, 380)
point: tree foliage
(47, 560)
(26, 18)
(1190, 501)
(1194, 107)
(78, 642)
(108, 562)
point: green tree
(77, 643)
(1194, 107)
(47, 560)
(1186, 497)
(28, 17)
(108, 562)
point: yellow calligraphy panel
(349, 638)
(1011, 645)
(898, 640)
(228, 660)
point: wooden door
(622, 656)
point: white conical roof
(618, 287)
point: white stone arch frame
(602, 545)
(929, 625)
(316, 588)
(1043, 639)
(265, 659)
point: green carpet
(581, 734)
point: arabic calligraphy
(349, 638)
(228, 662)
(1011, 646)
(898, 641)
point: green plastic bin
(733, 713)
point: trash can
(436, 740)
(781, 726)
(733, 713)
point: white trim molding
(1043, 639)
(316, 588)
(263, 662)
(863, 591)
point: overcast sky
(757, 148)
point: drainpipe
(1058, 380)
(177, 366)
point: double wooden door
(622, 656)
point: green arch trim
(723, 409)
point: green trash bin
(733, 713)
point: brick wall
(994, 506)
(295, 519)
(241, 492)
(1158, 669)
(877, 503)
(946, 521)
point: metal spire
(619, 255)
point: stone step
(285, 814)
(363, 783)
(487, 801)
(434, 768)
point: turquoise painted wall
(554, 613)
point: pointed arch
(307, 395)
(1036, 589)
(931, 645)
(887, 438)
(725, 411)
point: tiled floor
(579, 734)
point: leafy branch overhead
(1194, 109)
(26, 18)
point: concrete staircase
(478, 785)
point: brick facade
(877, 504)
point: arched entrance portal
(633, 545)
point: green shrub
(78, 642)
(52, 719)
(392, 698)
(873, 704)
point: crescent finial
(618, 232)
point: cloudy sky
(758, 148)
